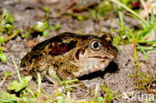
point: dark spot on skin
(30, 61)
(58, 49)
(61, 44)
(77, 54)
(81, 50)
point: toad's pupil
(96, 45)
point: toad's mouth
(100, 57)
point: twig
(135, 54)
(39, 83)
(18, 74)
(12, 36)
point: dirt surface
(27, 12)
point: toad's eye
(95, 45)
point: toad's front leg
(66, 73)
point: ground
(27, 12)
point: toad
(70, 56)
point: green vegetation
(142, 40)
(46, 9)
(137, 37)
(6, 29)
(144, 81)
(43, 28)
(40, 26)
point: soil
(27, 12)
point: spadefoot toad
(69, 55)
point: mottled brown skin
(70, 56)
